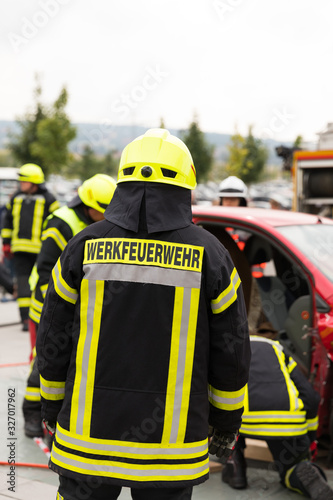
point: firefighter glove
(50, 426)
(222, 444)
(6, 250)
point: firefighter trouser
(286, 451)
(5, 279)
(70, 489)
(23, 264)
(31, 403)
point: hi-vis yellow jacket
(59, 228)
(143, 342)
(279, 401)
(24, 217)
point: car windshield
(316, 242)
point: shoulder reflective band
(228, 296)
(56, 235)
(63, 290)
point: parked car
(288, 258)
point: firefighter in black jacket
(22, 229)
(281, 408)
(143, 339)
(87, 207)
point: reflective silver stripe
(144, 470)
(52, 390)
(67, 293)
(181, 365)
(227, 401)
(255, 338)
(142, 274)
(274, 417)
(226, 298)
(85, 359)
(130, 448)
(273, 428)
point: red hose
(6, 365)
(23, 464)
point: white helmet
(233, 187)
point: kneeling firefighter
(86, 207)
(157, 316)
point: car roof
(259, 216)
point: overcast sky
(234, 63)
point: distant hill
(104, 138)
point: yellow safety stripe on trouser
(23, 301)
(228, 296)
(287, 480)
(32, 394)
(52, 390)
(226, 400)
(61, 287)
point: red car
(285, 258)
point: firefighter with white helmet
(87, 207)
(22, 228)
(156, 315)
(233, 192)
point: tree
(247, 157)
(45, 133)
(202, 152)
(90, 164)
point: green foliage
(247, 157)
(298, 142)
(202, 152)
(89, 164)
(45, 133)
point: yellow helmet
(31, 173)
(158, 156)
(97, 191)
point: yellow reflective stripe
(63, 290)
(6, 233)
(34, 315)
(97, 307)
(287, 481)
(37, 220)
(32, 394)
(228, 296)
(131, 449)
(192, 328)
(84, 298)
(295, 402)
(226, 400)
(24, 245)
(312, 423)
(253, 417)
(16, 217)
(36, 304)
(131, 472)
(291, 365)
(174, 353)
(43, 289)
(274, 430)
(59, 497)
(54, 206)
(24, 301)
(56, 235)
(52, 390)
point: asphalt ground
(32, 480)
